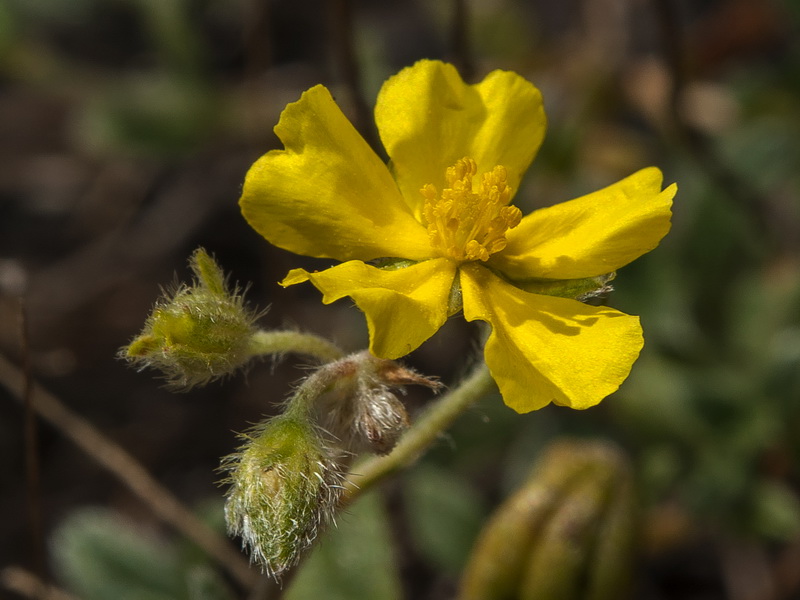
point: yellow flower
(441, 235)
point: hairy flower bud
(358, 406)
(380, 419)
(284, 487)
(198, 333)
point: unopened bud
(359, 408)
(568, 533)
(380, 419)
(198, 333)
(284, 488)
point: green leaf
(354, 560)
(100, 556)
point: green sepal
(392, 263)
(577, 289)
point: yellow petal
(428, 118)
(545, 349)
(328, 194)
(404, 307)
(591, 235)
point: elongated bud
(568, 533)
(199, 333)
(284, 488)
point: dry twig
(129, 471)
(25, 583)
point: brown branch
(31, 435)
(130, 472)
(25, 583)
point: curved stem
(318, 383)
(430, 425)
(279, 342)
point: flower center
(469, 225)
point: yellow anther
(469, 225)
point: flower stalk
(278, 342)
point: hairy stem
(308, 393)
(280, 342)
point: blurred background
(126, 129)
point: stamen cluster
(465, 225)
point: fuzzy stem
(280, 342)
(321, 381)
(430, 425)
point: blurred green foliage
(99, 555)
(444, 514)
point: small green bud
(285, 486)
(199, 333)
